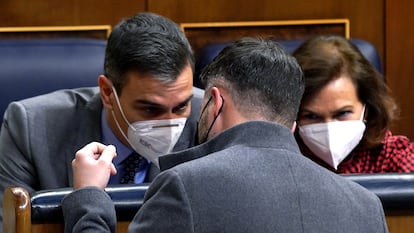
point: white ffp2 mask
(152, 138)
(333, 141)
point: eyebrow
(305, 110)
(343, 108)
(306, 113)
(147, 102)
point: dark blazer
(40, 136)
(252, 178)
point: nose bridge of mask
(154, 138)
(159, 125)
(120, 108)
(338, 133)
(346, 131)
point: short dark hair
(146, 43)
(261, 78)
(326, 58)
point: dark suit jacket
(252, 178)
(40, 136)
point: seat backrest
(30, 67)
(396, 191)
(41, 212)
(207, 53)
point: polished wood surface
(121, 227)
(342, 23)
(17, 215)
(400, 223)
(201, 34)
(87, 31)
(16, 210)
(366, 17)
(396, 224)
(22, 13)
(400, 61)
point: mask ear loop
(362, 115)
(120, 109)
(294, 126)
(215, 118)
(123, 116)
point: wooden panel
(68, 12)
(47, 228)
(16, 210)
(396, 224)
(366, 17)
(400, 223)
(400, 68)
(121, 227)
(200, 34)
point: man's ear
(217, 99)
(105, 88)
(293, 127)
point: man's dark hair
(261, 77)
(146, 43)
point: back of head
(146, 43)
(326, 58)
(263, 80)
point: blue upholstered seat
(208, 52)
(396, 192)
(30, 67)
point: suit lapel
(89, 129)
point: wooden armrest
(16, 210)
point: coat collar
(252, 133)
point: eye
(180, 109)
(309, 116)
(343, 115)
(151, 111)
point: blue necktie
(131, 166)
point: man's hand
(93, 166)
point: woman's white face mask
(152, 138)
(333, 141)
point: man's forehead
(149, 90)
(164, 101)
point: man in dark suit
(147, 83)
(247, 175)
